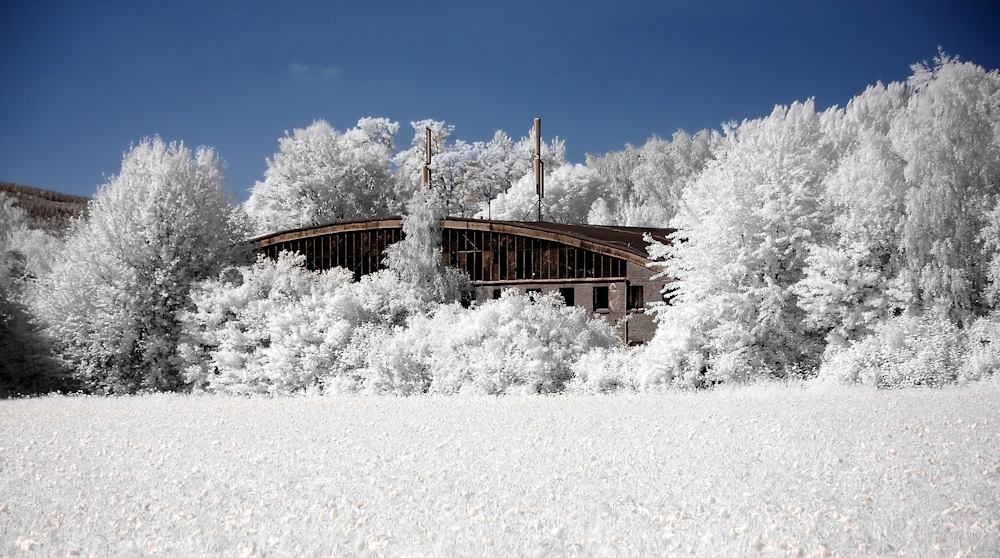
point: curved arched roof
(621, 242)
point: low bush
(904, 351)
(983, 348)
(675, 357)
(277, 328)
(606, 370)
(515, 344)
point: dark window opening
(533, 293)
(468, 297)
(635, 300)
(600, 298)
(568, 295)
(496, 294)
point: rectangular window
(496, 294)
(635, 300)
(568, 295)
(600, 299)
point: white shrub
(674, 357)
(514, 344)
(983, 348)
(605, 370)
(904, 351)
(277, 328)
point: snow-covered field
(841, 471)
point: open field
(777, 470)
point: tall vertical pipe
(539, 169)
(427, 158)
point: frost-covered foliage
(991, 244)
(515, 344)
(911, 197)
(28, 252)
(635, 187)
(676, 355)
(643, 186)
(746, 224)
(321, 176)
(853, 277)
(607, 370)
(276, 328)
(570, 192)
(27, 364)
(500, 166)
(468, 176)
(903, 351)
(12, 220)
(454, 167)
(982, 357)
(815, 234)
(949, 136)
(417, 260)
(112, 300)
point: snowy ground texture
(776, 470)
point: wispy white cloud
(299, 69)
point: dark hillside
(46, 210)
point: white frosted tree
(113, 298)
(468, 176)
(12, 220)
(455, 176)
(553, 154)
(322, 176)
(500, 164)
(463, 175)
(911, 197)
(570, 192)
(949, 137)
(417, 259)
(615, 171)
(409, 162)
(746, 224)
(272, 327)
(644, 185)
(27, 365)
(991, 240)
(853, 274)
(517, 344)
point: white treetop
(322, 176)
(113, 297)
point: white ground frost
(776, 470)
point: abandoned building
(601, 269)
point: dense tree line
(826, 239)
(45, 210)
(859, 243)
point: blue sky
(82, 81)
